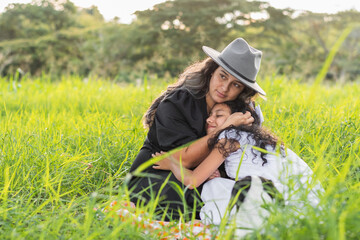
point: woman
(235, 146)
(178, 117)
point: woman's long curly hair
(195, 79)
(261, 135)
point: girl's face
(223, 87)
(218, 115)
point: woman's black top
(179, 119)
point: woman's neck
(209, 103)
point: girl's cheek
(220, 121)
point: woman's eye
(219, 116)
(236, 85)
(222, 76)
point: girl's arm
(194, 154)
(192, 178)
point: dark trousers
(173, 198)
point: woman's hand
(238, 119)
(214, 175)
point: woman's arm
(192, 178)
(196, 152)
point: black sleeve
(180, 119)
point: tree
(178, 29)
(37, 19)
(346, 64)
(40, 38)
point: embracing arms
(192, 178)
(196, 152)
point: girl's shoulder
(241, 136)
(297, 164)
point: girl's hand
(214, 175)
(163, 164)
(238, 119)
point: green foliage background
(66, 147)
(57, 38)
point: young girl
(240, 149)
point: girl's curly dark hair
(261, 135)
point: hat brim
(215, 56)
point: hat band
(235, 71)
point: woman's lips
(220, 94)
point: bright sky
(123, 8)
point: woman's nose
(225, 86)
(208, 120)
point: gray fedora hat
(240, 60)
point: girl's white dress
(290, 174)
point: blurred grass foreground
(66, 147)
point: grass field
(65, 148)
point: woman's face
(218, 115)
(223, 87)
